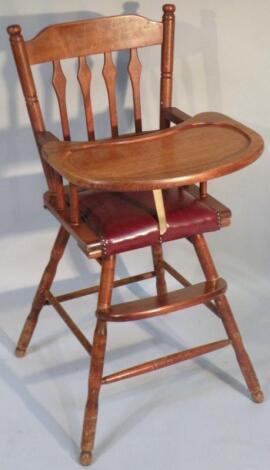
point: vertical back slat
(84, 78)
(134, 71)
(109, 73)
(59, 85)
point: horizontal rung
(68, 321)
(182, 280)
(165, 361)
(166, 303)
(93, 289)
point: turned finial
(14, 29)
(169, 8)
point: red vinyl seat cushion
(126, 221)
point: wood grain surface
(204, 147)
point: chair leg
(39, 299)
(229, 322)
(157, 254)
(97, 362)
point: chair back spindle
(74, 204)
(109, 73)
(167, 52)
(203, 190)
(59, 84)
(84, 77)
(134, 71)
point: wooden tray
(206, 146)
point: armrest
(175, 115)
(54, 178)
(45, 137)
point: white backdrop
(222, 63)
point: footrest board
(160, 305)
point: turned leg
(157, 254)
(228, 320)
(97, 361)
(39, 299)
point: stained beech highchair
(130, 191)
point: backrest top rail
(93, 36)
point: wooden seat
(132, 191)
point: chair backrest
(87, 37)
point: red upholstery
(126, 221)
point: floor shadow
(33, 405)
